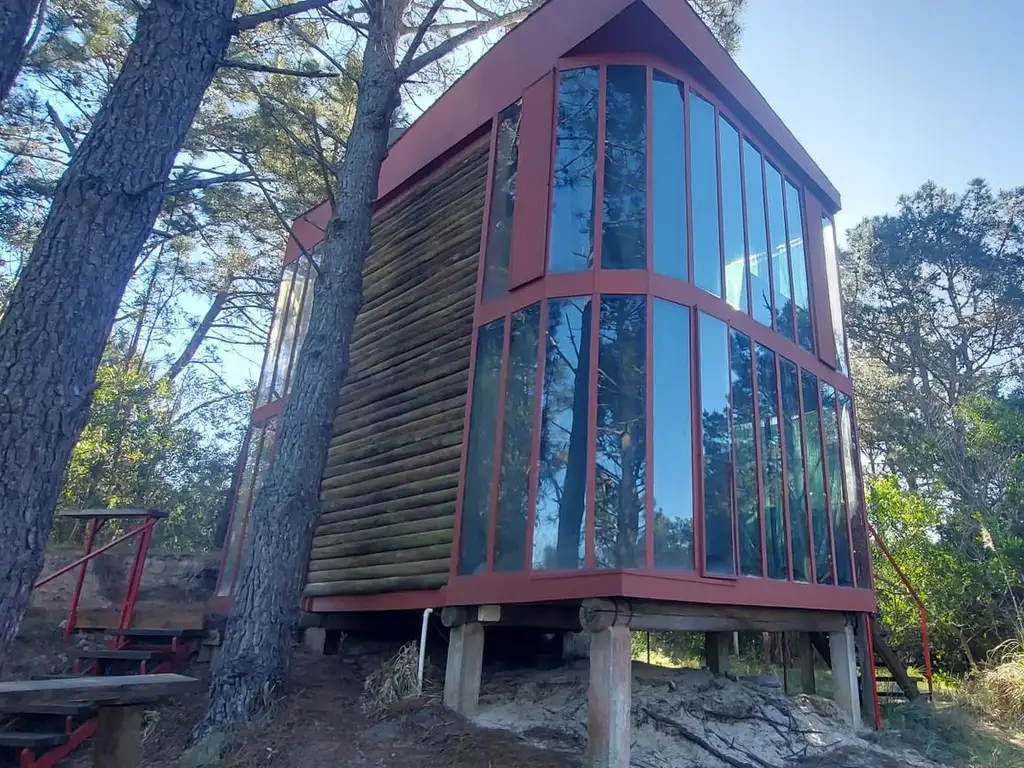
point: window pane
(624, 237)
(288, 328)
(840, 533)
(621, 433)
(503, 203)
(798, 263)
(757, 237)
(239, 513)
(835, 302)
(854, 495)
(308, 274)
(816, 481)
(771, 464)
(269, 441)
(669, 182)
(483, 424)
(707, 265)
(562, 480)
(572, 215)
(277, 323)
(717, 445)
(744, 449)
(673, 468)
(780, 253)
(514, 487)
(732, 217)
(795, 470)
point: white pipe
(423, 648)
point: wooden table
(117, 742)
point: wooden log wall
(388, 492)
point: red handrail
(922, 613)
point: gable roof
(531, 50)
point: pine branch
(421, 32)
(65, 133)
(178, 187)
(253, 20)
(231, 63)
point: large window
(503, 203)
(785, 321)
(835, 301)
(668, 185)
(771, 464)
(562, 481)
(732, 216)
(514, 488)
(744, 441)
(854, 492)
(836, 505)
(795, 475)
(798, 262)
(716, 445)
(572, 217)
(672, 435)
(624, 227)
(707, 254)
(483, 428)
(757, 237)
(816, 481)
(621, 432)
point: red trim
(265, 413)
(649, 430)
(530, 223)
(386, 601)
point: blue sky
(885, 94)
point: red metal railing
(143, 532)
(922, 613)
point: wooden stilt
(806, 663)
(611, 678)
(844, 673)
(464, 668)
(716, 651)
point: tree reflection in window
(798, 517)
(732, 216)
(707, 255)
(624, 223)
(483, 424)
(503, 203)
(672, 432)
(572, 215)
(513, 487)
(779, 252)
(621, 433)
(840, 533)
(240, 512)
(668, 183)
(798, 265)
(562, 479)
(854, 493)
(757, 237)
(716, 445)
(771, 465)
(745, 452)
(816, 480)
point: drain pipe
(423, 649)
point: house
(600, 379)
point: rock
(209, 752)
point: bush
(998, 690)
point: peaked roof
(531, 50)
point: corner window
(503, 203)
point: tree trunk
(15, 20)
(56, 326)
(264, 615)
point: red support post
(94, 526)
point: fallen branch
(703, 743)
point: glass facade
(683, 425)
(503, 202)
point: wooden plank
(693, 617)
(893, 663)
(375, 586)
(120, 691)
(368, 510)
(388, 518)
(394, 543)
(172, 617)
(416, 554)
(445, 523)
(422, 568)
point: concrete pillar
(575, 645)
(806, 664)
(867, 668)
(844, 673)
(611, 677)
(464, 668)
(716, 651)
(315, 638)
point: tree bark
(253, 661)
(56, 326)
(15, 20)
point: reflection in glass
(289, 326)
(757, 237)
(270, 361)
(835, 301)
(514, 484)
(668, 185)
(798, 264)
(572, 215)
(840, 533)
(716, 445)
(624, 223)
(673, 468)
(707, 265)
(771, 464)
(239, 513)
(307, 274)
(790, 380)
(854, 494)
(619, 521)
(745, 452)
(780, 252)
(483, 426)
(732, 216)
(266, 456)
(503, 203)
(562, 480)
(816, 480)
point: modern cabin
(601, 367)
